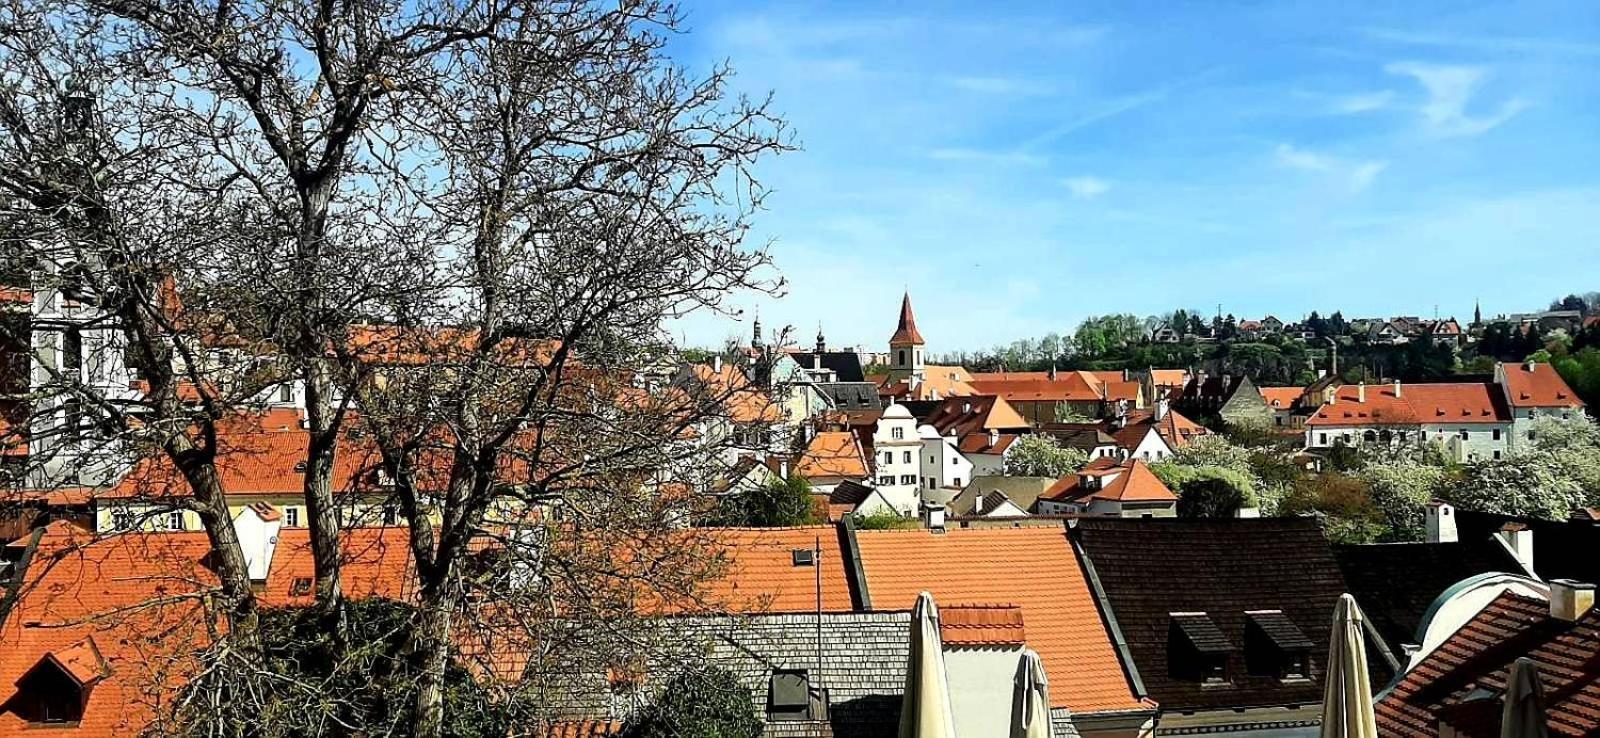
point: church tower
(905, 347)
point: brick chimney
(1570, 600)
(1441, 522)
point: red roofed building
(1458, 689)
(1471, 420)
(1105, 487)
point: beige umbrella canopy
(925, 708)
(1347, 694)
(1030, 707)
(1523, 715)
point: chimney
(257, 527)
(1441, 522)
(716, 364)
(994, 437)
(1570, 600)
(1519, 540)
(1361, 391)
(1528, 365)
(783, 467)
(966, 407)
(1052, 371)
(933, 518)
(977, 501)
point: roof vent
(300, 467)
(803, 557)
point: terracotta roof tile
(981, 565)
(832, 455)
(905, 333)
(1281, 397)
(981, 625)
(974, 414)
(763, 577)
(1540, 386)
(1477, 658)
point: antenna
(817, 558)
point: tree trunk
(321, 515)
(211, 504)
(431, 653)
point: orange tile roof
(1066, 387)
(1540, 386)
(127, 593)
(832, 455)
(760, 575)
(1454, 402)
(258, 453)
(82, 661)
(1134, 482)
(978, 443)
(743, 401)
(938, 382)
(973, 414)
(1169, 377)
(981, 625)
(1281, 397)
(982, 565)
(905, 333)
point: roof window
(56, 689)
(803, 557)
(790, 697)
(1274, 646)
(1197, 650)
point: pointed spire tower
(905, 346)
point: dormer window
(56, 689)
(1275, 646)
(1197, 651)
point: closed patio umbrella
(1030, 707)
(1523, 715)
(925, 707)
(1347, 694)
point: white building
(896, 459)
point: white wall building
(896, 459)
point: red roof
(832, 455)
(981, 625)
(1537, 385)
(974, 414)
(123, 596)
(1281, 397)
(905, 334)
(983, 565)
(762, 576)
(1066, 387)
(1475, 661)
(1415, 404)
(1132, 482)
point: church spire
(905, 333)
(755, 331)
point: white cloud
(998, 85)
(1356, 175)
(1086, 187)
(1361, 102)
(1497, 44)
(1012, 158)
(1450, 90)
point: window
(952, 461)
(291, 517)
(1466, 435)
(908, 479)
(72, 353)
(886, 480)
(1497, 454)
(122, 518)
(888, 457)
(300, 587)
(902, 357)
(1496, 434)
(906, 457)
(286, 393)
(789, 695)
(1369, 436)
(897, 433)
(1274, 646)
(47, 695)
(1323, 440)
(956, 482)
(1531, 434)
(1197, 651)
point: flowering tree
(1042, 456)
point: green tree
(1209, 491)
(1581, 370)
(698, 703)
(778, 503)
(1042, 456)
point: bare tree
(459, 226)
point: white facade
(896, 459)
(943, 464)
(1150, 448)
(981, 686)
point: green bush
(698, 703)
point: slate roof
(1022, 491)
(1561, 549)
(1151, 569)
(852, 395)
(1474, 663)
(1396, 583)
(846, 365)
(987, 565)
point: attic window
(55, 690)
(300, 587)
(789, 696)
(300, 467)
(1197, 651)
(803, 557)
(1274, 646)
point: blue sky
(1020, 167)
